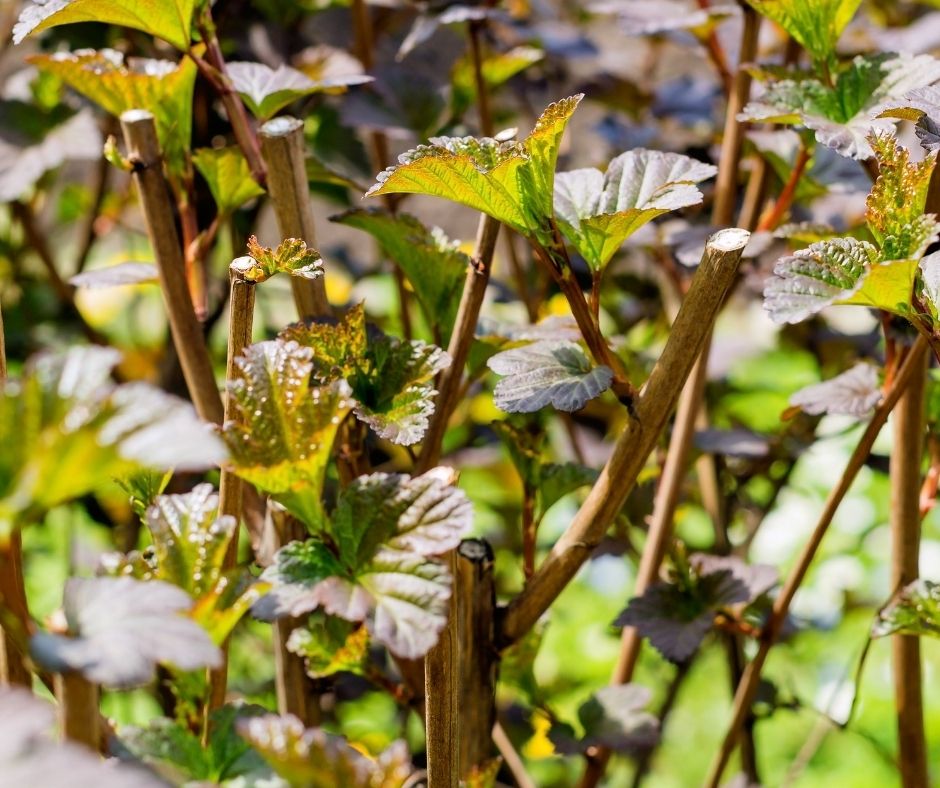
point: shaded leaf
(120, 628)
(167, 19)
(118, 275)
(915, 610)
(311, 757)
(598, 212)
(757, 579)
(434, 265)
(816, 24)
(162, 87)
(614, 717)
(547, 373)
(291, 257)
(511, 181)
(853, 393)
(556, 480)
(732, 443)
(228, 175)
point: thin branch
(653, 407)
(282, 145)
(774, 216)
(747, 687)
(511, 758)
(140, 136)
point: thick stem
(906, 454)
(140, 136)
(441, 689)
(478, 277)
(282, 144)
(747, 687)
(475, 592)
(231, 487)
(77, 709)
(654, 405)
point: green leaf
(162, 87)
(895, 205)
(330, 644)
(844, 115)
(170, 20)
(598, 212)
(391, 380)
(826, 272)
(915, 610)
(316, 759)
(378, 566)
(547, 373)
(282, 430)
(228, 175)
(190, 539)
(512, 181)
(120, 628)
(268, 90)
(434, 265)
(67, 430)
(291, 257)
(556, 480)
(816, 24)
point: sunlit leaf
(228, 175)
(434, 265)
(190, 538)
(119, 629)
(895, 206)
(512, 182)
(811, 279)
(291, 257)
(614, 717)
(118, 275)
(282, 429)
(167, 19)
(915, 610)
(598, 212)
(853, 393)
(329, 645)
(311, 757)
(29, 755)
(162, 87)
(816, 24)
(547, 373)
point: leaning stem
(774, 216)
(747, 687)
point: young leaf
(853, 393)
(547, 373)
(378, 564)
(30, 756)
(512, 182)
(282, 430)
(268, 90)
(190, 539)
(915, 610)
(167, 19)
(162, 87)
(312, 757)
(228, 175)
(391, 380)
(291, 257)
(816, 24)
(811, 279)
(434, 265)
(598, 212)
(120, 628)
(615, 718)
(895, 206)
(845, 114)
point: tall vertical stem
(441, 690)
(77, 709)
(906, 456)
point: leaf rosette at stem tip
(511, 181)
(376, 560)
(292, 256)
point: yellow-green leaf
(229, 177)
(816, 24)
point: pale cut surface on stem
(747, 687)
(140, 137)
(654, 405)
(282, 146)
